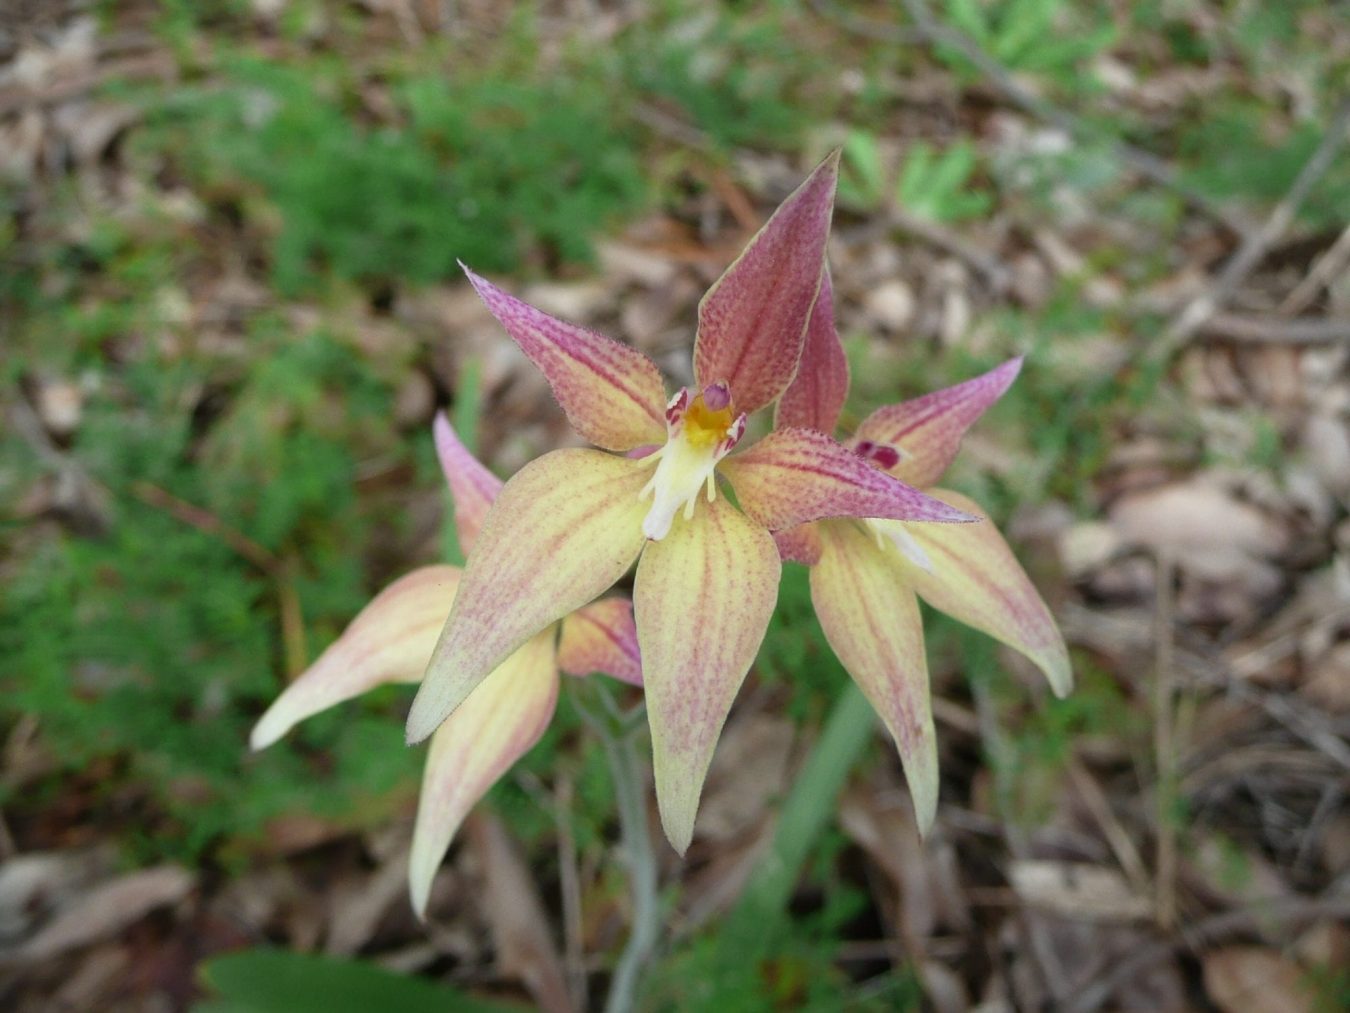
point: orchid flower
(391, 640)
(865, 573)
(571, 523)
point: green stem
(808, 808)
(618, 732)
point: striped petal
(799, 545)
(498, 724)
(752, 322)
(818, 393)
(927, 431)
(871, 619)
(612, 393)
(703, 596)
(601, 637)
(976, 578)
(390, 640)
(561, 531)
(797, 475)
(472, 486)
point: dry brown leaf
(1078, 890)
(355, 914)
(886, 831)
(520, 929)
(106, 910)
(749, 771)
(1253, 979)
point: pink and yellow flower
(866, 573)
(391, 640)
(571, 523)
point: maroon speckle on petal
(885, 457)
(734, 433)
(717, 396)
(675, 409)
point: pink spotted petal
(752, 322)
(472, 485)
(390, 640)
(799, 545)
(818, 393)
(498, 724)
(928, 430)
(871, 619)
(612, 393)
(976, 578)
(564, 529)
(601, 637)
(797, 475)
(703, 596)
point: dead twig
(1051, 972)
(1264, 330)
(1257, 243)
(1326, 268)
(207, 523)
(865, 28)
(1164, 745)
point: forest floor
(229, 308)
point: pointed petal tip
(422, 721)
(1059, 673)
(678, 836)
(264, 734)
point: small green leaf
(274, 981)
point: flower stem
(618, 732)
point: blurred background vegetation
(229, 304)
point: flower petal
(752, 322)
(498, 724)
(472, 486)
(613, 394)
(817, 395)
(562, 530)
(703, 597)
(797, 475)
(601, 637)
(390, 640)
(871, 619)
(977, 579)
(799, 545)
(927, 430)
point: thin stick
(1257, 243)
(1267, 330)
(569, 883)
(208, 523)
(1164, 747)
(1330, 263)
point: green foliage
(738, 75)
(483, 168)
(157, 642)
(1229, 158)
(1049, 37)
(272, 981)
(795, 652)
(931, 184)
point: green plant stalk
(617, 733)
(807, 810)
